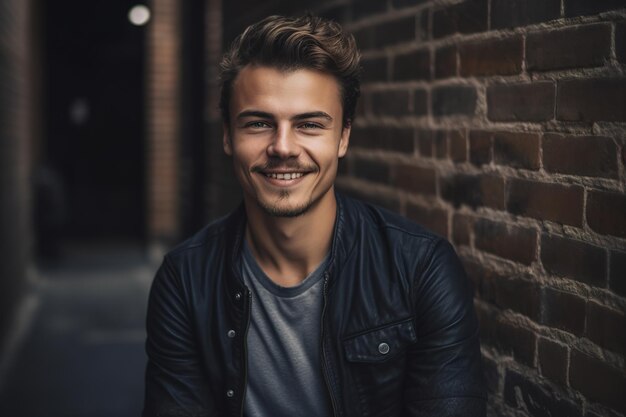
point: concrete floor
(81, 353)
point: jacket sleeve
(175, 384)
(445, 376)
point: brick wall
(15, 164)
(501, 124)
(163, 120)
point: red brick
(485, 281)
(563, 310)
(574, 259)
(445, 62)
(365, 8)
(606, 327)
(605, 213)
(620, 42)
(481, 190)
(597, 380)
(462, 225)
(440, 143)
(492, 375)
(390, 203)
(577, 47)
(532, 102)
(518, 244)
(374, 69)
(552, 360)
(390, 102)
(405, 3)
(365, 37)
(454, 100)
(585, 7)
(492, 191)
(518, 341)
(434, 219)
(412, 66)
(591, 100)
(491, 57)
(360, 107)
(480, 143)
(425, 142)
(564, 153)
(420, 102)
(458, 145)
(338, 13)
(520, 295)
(538, 399)
(414, 179)
(466, 17)
(396, 31)
(617, 277)
(424, 27)
(371, 170)
(546, 201)
(516, 13)
(516, 149)
(393, 139)
(487, 324)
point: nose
(283, 144)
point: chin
(285, 210)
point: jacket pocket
(380, 344)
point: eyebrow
(301, 116)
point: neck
(288, 249)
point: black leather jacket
(399, 332)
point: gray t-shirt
(284, 370)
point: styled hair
(289, 44)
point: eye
(310, 125)
(257, 125)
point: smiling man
(304, 302)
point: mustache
(284, 165)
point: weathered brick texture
(501, 124)
(163, 93)
(17, 129)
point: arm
(444, 367)
(175, 382)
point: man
(303, 302)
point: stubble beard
(276, 210)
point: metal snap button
(231, 333)
(383, 348)
(238, 296)
(230, 393)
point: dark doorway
(93, 150)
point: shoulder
(409, 244)
(376, 219)
(208, 241)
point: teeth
(287, 176)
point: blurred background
(499, 124)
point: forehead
(284, 92)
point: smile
(285, 175)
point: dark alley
(81, 349)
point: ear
(226, 142)
(344, 140)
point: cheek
(245, 152)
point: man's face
(285, 137)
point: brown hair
(286, 43)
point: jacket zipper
(245, 354)
(324, 366)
